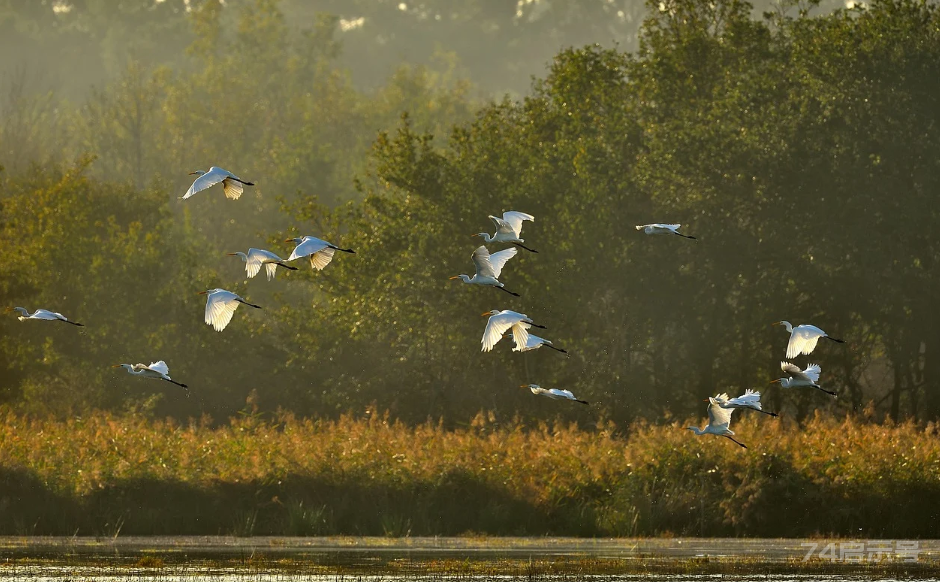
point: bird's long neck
(789, 326)
(242, 255)
(21, 310)
(696, 430)
(464, 278)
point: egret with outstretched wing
(808, 377)
(553, 393)
(508, 229)
(658, 228)
(156, 370)
(500, 322)
(488, 268)
(318, 250)
(220, 306)
(803, 338)
(232, 185)
(42, 315)
(719, 419)
(534, 342)
(750, 399)
(258, 257)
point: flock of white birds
(221, 305)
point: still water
(263, 559)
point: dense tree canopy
(800, 149)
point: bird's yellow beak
(116, 366)
(777, 381)
(474, 235)
(230, 254)
(202, 293)
(193, 173)
(485, 314)
(777, 323)
(454, 277)
(289, 240)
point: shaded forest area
(801, 148)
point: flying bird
(42, 314)
(257, 257)
(319, 251)
(534, 342)
(803, 338)
(658, 228)
(718, 421)
(808, 377)
(502, 321)
(156, 370)
(221, 305)
(553, 393)
(749, 399)
(488, 268)
(231, 184)
(508, 229)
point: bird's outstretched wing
(812, 372)
(481, 261)
(718, 417)
(514, 219)
(207, 180)
(749, 398)
(562, 393)
(520, 335)
(253, 262)
(308, 246)
(497, 325)
(160, 367)
(803, 340)
(232, 188)
(668, 226)
(791, 369)
(498, 260)
(319, 260)
(220, 306)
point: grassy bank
(110, 475)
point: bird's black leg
(508, 291)
(829, 392)
(249, 304)
(244, 182)
(773, 414)
(286, 266)
(693, 238)
(582, 401)
(525, 247)
(71, 322)
(557, 349)
(832, 339)
(734, 441)
(344, 250)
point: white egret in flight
(803, 338)
(502, 321)
(553, 393)
(718, 421)
(508, 229)
(488, 268)
(231, 184)
(534, 342)
(156, 370)
(749, 399)
(319, 251)
(808, 377)
(658, 228)
(221, 305)
(257, 257)
(42, 314)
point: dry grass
(110, 475)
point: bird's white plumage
(319, 251)
(220, 307)
(532, 342)
(750, 399)
(719, 419)
(256, 258)
(803, 338)
(40, 314)
(230, 183)
(501, 321)
(160, 367)
(491, 265)
(509, 227)
(553, 393)
(808, 376)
